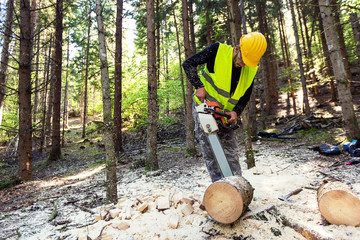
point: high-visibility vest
(218, 84)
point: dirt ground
(67, 196)
(281, 167)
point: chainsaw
(212, 119)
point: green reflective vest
(218, 84)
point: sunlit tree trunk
(190, 135)
(56, 135)
(354, 19)
(336, 12)
(111, 181)
(87, 54)
(301, 66)
(266, 59)
(45, 98)
(179, 54)
(312, 74)
(5, 50)
(24, 91)
(50, 98)
(118, 80)
(66, 94)
(351, 125)
(324, 45)
(36, 80)
(151, 143)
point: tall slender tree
(111, 180)
(151, 143)
(346, 102)
(56, 135)
(5, 50)
(118, 79)
(355, 24)
(87, 63)
(24, 91)
(300, 61)
(179, 55)
(339, 29)
(190, 136)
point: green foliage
(292, 73)
(10, 184)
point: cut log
(338, 204)
(227, 199)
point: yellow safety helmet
(253, 46)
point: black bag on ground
(327, 149)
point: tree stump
(227, 199)
(338, 204)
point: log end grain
(338, 204)
(340, 208)
(223, 202)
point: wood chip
(163, 203)
(187, 209)
(115, 212)
(143, 207)
(120, 225)
(187, 200)
(174, 221)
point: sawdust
(280, 169)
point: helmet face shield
(253, 46)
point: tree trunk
(86, 102)
(234, 13)
(66, 94)
(299, 58)
(231, 10)
(208, 22)
(56, 135)
(192, 28)
(36, 92)
(268, 80)
(179, 54)
(118, 80)
(227, 199)
(5, 49)
(25, 124)
(340, 33)
(324, 45)
(338, 204)
(190, 136)
(151, 143)
(354, 19)
(110, 182)
(351, 125)
(312, 75)
(45, 98)
(242, 14)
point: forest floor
(68, 195)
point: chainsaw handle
(222, 114)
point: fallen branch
(54, 213)
(84, 208)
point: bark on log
(227, 199)
(338, 204)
